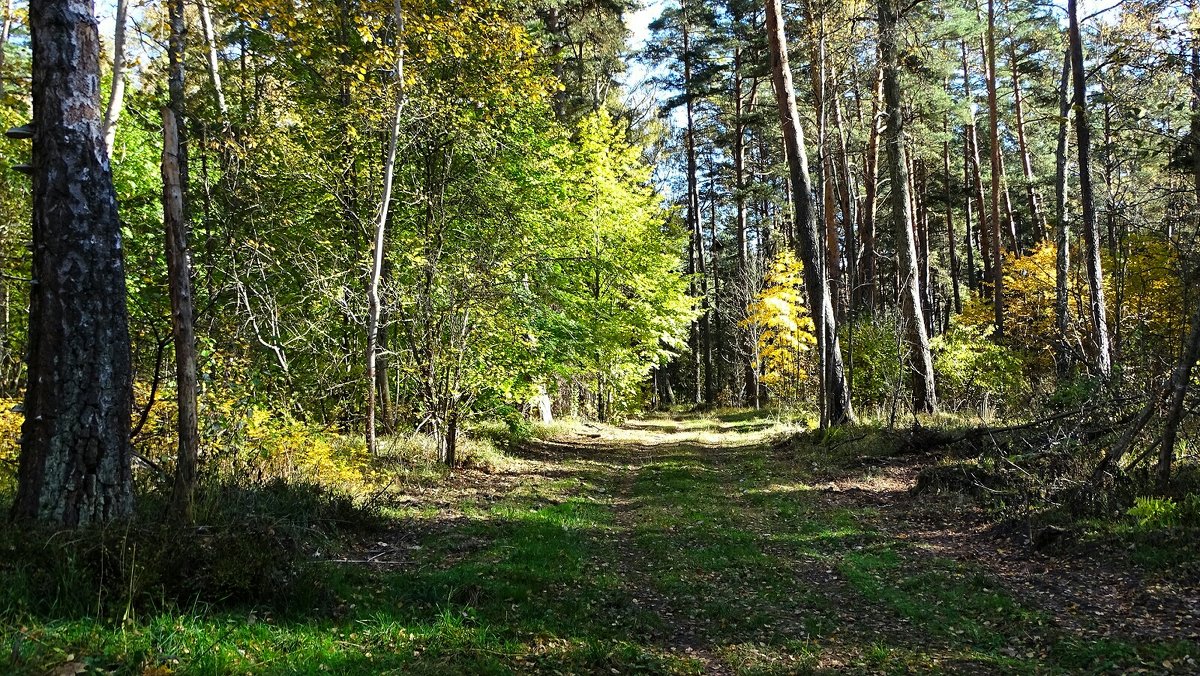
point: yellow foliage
(783, 329)
(1151, 298)
(1148, 303)
(1029, 295)
(10, 440)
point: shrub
(974, 371)
(872, 355)
(255, 543)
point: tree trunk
(997, 171)
(969, 214)
(116, 94)
(1062, 224)
(820, 82)
(704, 336)
(972, 134)
(74, 466)
(869, 266)
(1091, 236)
(920, 359)
(214, 71)
(5, 29)
(377, 253)
(835, 388)
(743, 271)
(951, 245)
(176, 48)
(847, 205)
(1035, 207)
(179, 281)
(1181, 377)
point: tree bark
(835, 388)
(704, 335)
(951, 240)
(1091, 236)
(969, 214)
(997, 171)
(976, 173)
(377, 252)
(176, 49)
(179, 282)
(1062, 224)
(74, 467)
(214, 71)
(5, 28)
(1035, 207)
(869, 266)
(920, 359)
(116, 94)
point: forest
(599, 337)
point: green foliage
(975, 371)
(1155, 512)
(1160, 513)
(873, 359)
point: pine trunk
(920, 359)
(997, 171)
(1090, 233)
(835, 388)
(74, 467)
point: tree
(183, 330)
(1062, 223)
(179, 266)
(997, 169)
(835, 389)
(920, 359)
(116, 95)
(1091, 236)
(377, 252)
(783, 329)
(75, 457)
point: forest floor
(683, 545)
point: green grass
(679, 545)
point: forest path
(698, 545)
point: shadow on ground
(669, 546)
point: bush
(973, 371)
(872, 354)
(1155, 512)
(255, 544)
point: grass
(673, 545)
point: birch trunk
(1062, 224)
(116, 95)
(214, 71)
(373, 301)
